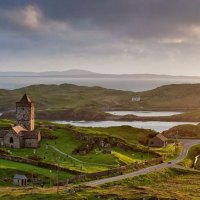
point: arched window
(11, 140)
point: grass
(170, 152)
(4, 123)
(130, 157)
(68, 96)
(183, 131)
(9, 168)
(67, 143)
(189, 160)
(175, 96)
(94, 161)
(131, 135)
(167, 183)
(65, 96)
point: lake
(144, 113)
(112, 83)
(154, 125)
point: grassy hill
(170, 97)
(65, 96)
(176, 96)
(183, 131)
(71, 102)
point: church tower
(25, 113)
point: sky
(105, 36)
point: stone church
(23, 134)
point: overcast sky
(107, 36)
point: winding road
(187, 144)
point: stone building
(23, 134)
(157, 141)
(20, 180)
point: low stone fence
(37, 163)
(115, 171)
(84, 176)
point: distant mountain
(78, 73)
(72, 72)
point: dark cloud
(133, 18)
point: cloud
(136, 19)
(144, 34)
(27, 17)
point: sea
(127, 84)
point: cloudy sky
(107, 36)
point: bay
(144, 113)
(154, 125)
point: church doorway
(11, 140)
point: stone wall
(17, 140)
(32, 143)
(37, 163)
(156, 142)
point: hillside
(88, 103)
(176, 96)
(183, 131)
(67, 96)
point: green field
(93, 161)
(9, 168)
(66, 143)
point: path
(80, 161)
(187, 144)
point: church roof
(30, 134)
(18, 129)
(25, 99)
(161, 137)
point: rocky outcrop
(102, 142)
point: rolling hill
(79, 101)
